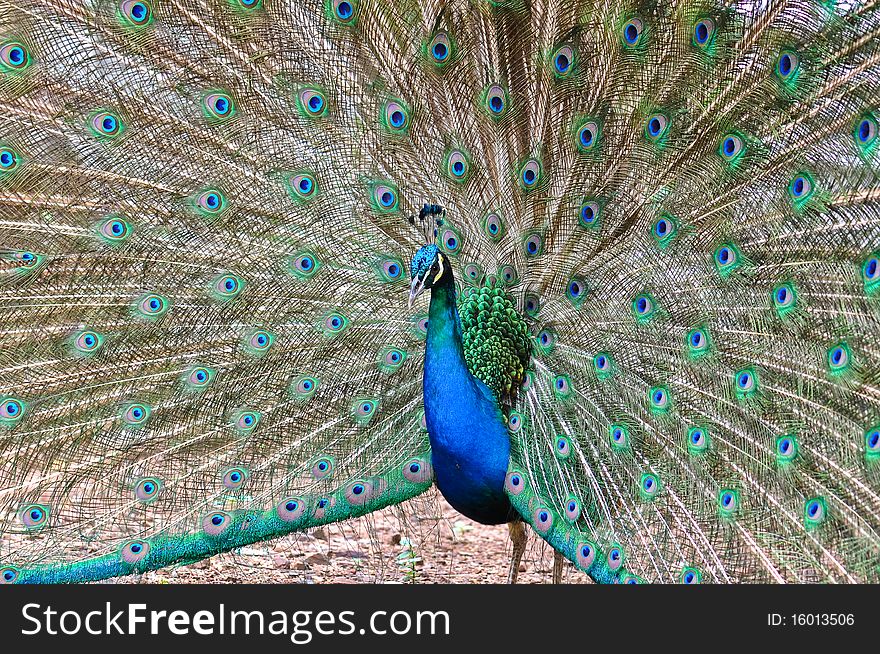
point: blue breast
(470, 445)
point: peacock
(608, 272)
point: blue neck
(469, 441)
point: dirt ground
(390, 546)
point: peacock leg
(519, 538)
(558, 560)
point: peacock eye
(656, 126)
(496, 100)
(588, 136)
(787, 65)
(218, 106)
(563, 60)
(800, 188)
(703, 32)
(530, 174)
(440, 48)
(106, 124)
(13, 55)
(396, 116)
(731, 146)
(137, 12)
(147, 490)
(344, 10)
(866, 130)
(211, 202)
(632, 32)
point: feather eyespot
(838, 358)
(496, 100)
(872, 441)
(136, 12)
(291, 509)
(304, 186)
(514, 422)
(563, 61)
(9, 575)
(210, 202)
(786, 448)
(199, 377)
(8, 160)
(227, 286)
(731, 147)
(784, 296)
(650, 485)
(152, 305)
(457, 165)
(602, 365)
(313, 102)
(800, 188)
(619, 436)
(546, 340)
(632, 33)
(493, 226)
(391, 269)
(216, 523)
(335, 323)
(514, 483)
(588, 214)
(656, 126)
(14, 56)
(364, 410)
(322, 468)
(586, 555)
(136, 415)
(704, 30)
(542, 520)
(533, 245)
(561, 386)
(305, 264)
(588, 136)
(697, 440)
(246, 421)
(418, 471)
(508, 275)
(644, 307)
(866, 131)
(563, 447)
(726, 258)
(260, 341)
(659, 399)
(395, 116)
(34, 516)
(385, 198)
(147, 490)
(134, 551)
(11, 410)
(115, 229)
(451, 241)
(691, 576)
(532, 305)
(728, 502)
(304, 387)
(218, 106)
(344, 10)
(787, 65)
(360, 492)
(615, 558)
(815, 511)
(530, 174)
(234, 478)
(440, 48)
(87, 342)
(746, 382)
(572, 510)
(106, 124)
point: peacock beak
(416, 289)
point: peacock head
(429, 266)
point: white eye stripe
(440, 272)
